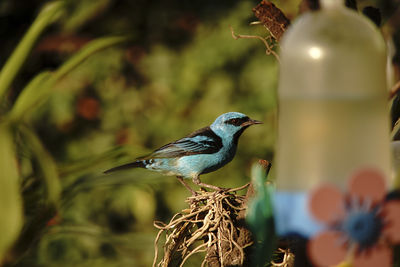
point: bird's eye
(234, 121)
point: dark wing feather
(203, 141)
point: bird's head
(232, 124)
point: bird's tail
(135, 164)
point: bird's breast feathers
(204, 163)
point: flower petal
(325, 249)
(391, 213)
(368, 184)
(326, 203)
(378, 256)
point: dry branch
(272, 18)
(214, 224)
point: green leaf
(82, 12)
(10, 199)
(28, 95)
(49, 14)
(260, 216)
(41, 87)
(47, 165)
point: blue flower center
(363, 227)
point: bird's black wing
(203, 141)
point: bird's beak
(250, 122)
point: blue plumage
(202, 151)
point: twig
(156, 247)
(238, 188)
(268, 46)
(196, 250)
(394, 90)
(287, 261)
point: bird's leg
(197, 181)
(180, 178)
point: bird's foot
(197, 181)
(194, 193)
(213, 187)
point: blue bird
(202, 151)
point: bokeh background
(180, 70)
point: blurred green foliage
(10, 200)
(70, 109)
(73, 109)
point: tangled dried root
(287, 258)
(213, 224)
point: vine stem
(268, 46)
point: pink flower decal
(361, 226)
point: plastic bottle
(333, 112)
